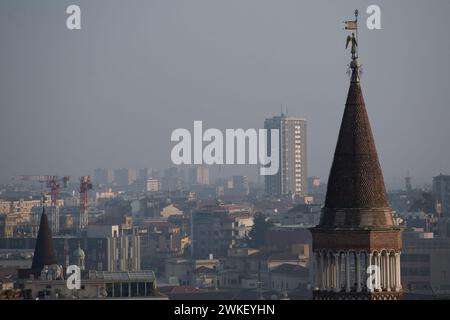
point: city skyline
(232, 74)
(111, 194)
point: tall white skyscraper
(292, 175)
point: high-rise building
(125, 177)
(408, 184)
(152, 185)
(103, 176)
(240, 185)
(172, 179)
(441, 188)
(199, 175)
(292, 174)
(144, 173)
(357, 235)
(53, 214)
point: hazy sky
(110, 94)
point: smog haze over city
(110, 94)
(215, 157)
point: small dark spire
(44, 253)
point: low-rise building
(95, 285)
(288, 277)
(425, 267)
(213, 231)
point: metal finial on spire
(353, 39)
(354, 47)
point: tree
(256, 236)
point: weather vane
(353, 40)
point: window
(149, 288)
(141, 289)
(116, 288)
(125, 289)
(415, 257)
(134, 289)
(109, 287)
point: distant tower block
(408, 184)
(85, 186)
(356, 229)
(51, 181)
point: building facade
(199, 175)
(292, 174)
(213, 232)
(125, 177)
(441, 188)
(103, 176)
(152, 185)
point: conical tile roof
(356, 195)
(44, 253)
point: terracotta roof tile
(356, 195)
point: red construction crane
(85, 186)
(52, 182)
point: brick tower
(356, 229)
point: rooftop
(124, 276)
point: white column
(327, 271)
(388, 269)
(378, 264)
(383, 271)
(322, 272)
(392, 260)
(370, 259)
(316, 270)
(331, 271)
(358, 272)
(337, 286)
(398, 282)
(347, 272)
(364, 272)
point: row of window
(133, 289)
